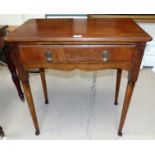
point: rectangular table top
(99, 29)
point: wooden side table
(86, 44)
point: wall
(149, 55)
(17, 19)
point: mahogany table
(86, 44)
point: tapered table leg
(128, 94)
(43, 79)
(1, 132)
(30, 102)
(12, 69)
(118, 80)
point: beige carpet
(81, 106)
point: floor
(81, 106)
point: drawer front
(77, 53)
(39, 54)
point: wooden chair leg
(118, 80)
(43, 79)
(30, 102)
(129, 91)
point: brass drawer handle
(105, 55)
(48, 56)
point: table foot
(46, 101)
(120, 133)
(118, 81)
(115, 103)
(128, 94)
(37, 132)
(43, 79)
(28, 95)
